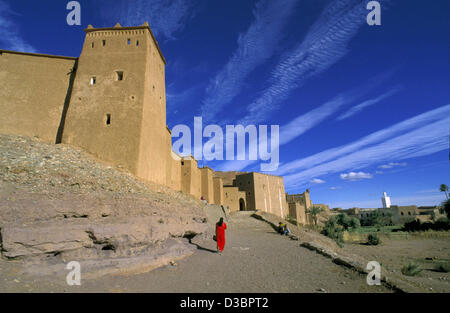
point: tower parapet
(118, 105)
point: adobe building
(234, 199)
(218, 190)
(119, 95)
(34, 92)
(207, 184)
(263, 192)
(111, 102)
(228, 177)
(299, 204)
(191, 178)
(398, 215)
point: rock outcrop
(58, 204)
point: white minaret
(386, 201)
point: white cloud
(309, 120)
(255, 47)
(305, 122)
(10, 37)
(317, 181)
(355, 109)
(324, 45)
(377, 137)
(419, 142)
(392, 164)
(355, 176)
(335, 187)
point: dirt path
(256, 259)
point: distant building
(398, 215)
(386, 201)
(299, 206)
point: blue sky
(362, 109)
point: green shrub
(355, 223)
(416, 225)
(442, 267)
(378, 219)
(373, 240)
(334, 231)
(347, 222)
(411, 269)
(446, 206)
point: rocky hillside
(58, 204)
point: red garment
(220, 236)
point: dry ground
(393, 254)
(256, 259)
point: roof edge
(39, 54)
(92, 29)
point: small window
(93, 80)
(402, 213)
(92, 45)
(104, 42)
(182, 162)
(409, 213)
(129, 41)
(108, 119)
(119, 75)
(137, 43)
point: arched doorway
(241, 204)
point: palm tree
(314, 211)
(444, 188)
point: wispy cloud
(419, 142)
(374, 138)
(255, 47)
(303, 123)
(235, 165)
(10, 37)
(317, 181)
(357, 108)
(324, 45)
(176, 98)
(355, 176)
(166, 17)
(392, 164)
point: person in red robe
(220, 235)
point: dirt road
(256, 259)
